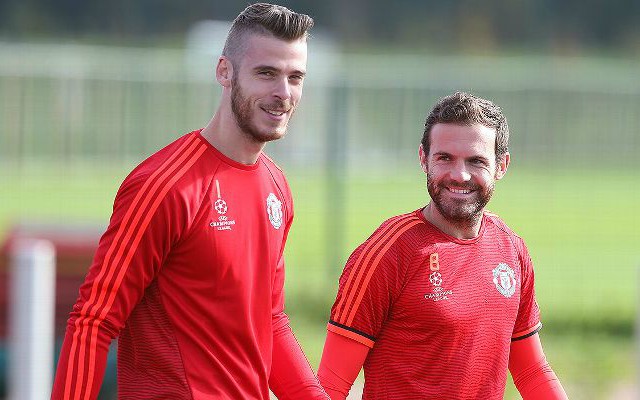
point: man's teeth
(460, 191)
(276, 113)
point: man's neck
(228, 139)
(461, 231)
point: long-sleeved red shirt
(189, 276)
(438, 313)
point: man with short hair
(190, 272)
(439, 303)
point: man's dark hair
(265, 19)
(466, 109)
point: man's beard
(457, 212)
(243, 112)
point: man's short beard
(242, 112)
(462, 214)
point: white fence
(31, 340)
(64, 102)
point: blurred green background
(88, 90)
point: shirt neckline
(225, 159)
(450, 238)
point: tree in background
(450, 26)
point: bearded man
(189, 275)
(439, 303)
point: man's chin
(269, 137)
(465, 218)
(461, 215)
(266, 136)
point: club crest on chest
(505, 279)
(274, 210)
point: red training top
(190, 275)
(439, 313)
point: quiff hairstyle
(267, 20)
(466, 109)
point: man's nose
(460, 173)
(282, 89)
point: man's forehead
(266, 47)
(454, 131)
(476, 137)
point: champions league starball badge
(220, 206)
(435, 278)
(505, 280)
(223, 222)
(274, 210)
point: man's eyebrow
(474, 157)
(274, 69)
(478, 157)
(265, 68)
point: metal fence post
(336, 171)
(31, 327)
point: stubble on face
(245, 114)
(458, 212)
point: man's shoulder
(275, 172)
(270, 164)
(398, 228)
(411, 218)
(166, 165)
(266, 159)
(495, 220)
(397, 238)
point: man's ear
(503, 165)
(224, 71)
(423, 159)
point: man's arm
(532, 374)
(342, 360)
(291, 375)
(128, 257)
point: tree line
(437, 24)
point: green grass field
(580, 227)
